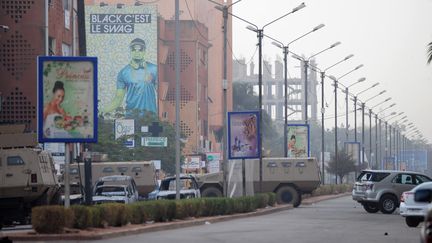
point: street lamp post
(360, 80)
(260, 35)
(285, 49)
(306, 65)
(378, 152)
(224, 8)
(336, 126)
(322, 72)
(363, 125)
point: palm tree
(429, 53)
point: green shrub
(262, 200)
(96, 213)
(181, 211)
(114, 214)
(272, 198)
(48, 219)
(139, 212)
(83, 217)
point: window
(66, 50)
(403, 179)
(15, 160)
(419, 179)
(136, 169)
(372, 176)
(108, 170)
(52, 46)
(122, 169)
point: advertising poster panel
(243, 135)
(298, 140)
(125, 41)
(67, 99)
(125, 127)
(353, 150)
(213, 160)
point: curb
(111, 232)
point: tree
(245, 99)
(345, 165)
(117, 151)
(429, 53)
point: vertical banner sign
(298, 140)
(125, 41)
(67, 99)
(125, 127)
(353, 150)
(243, 135)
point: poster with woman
(298, 141)
(243, 135)
(67, 99)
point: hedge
(53, 219)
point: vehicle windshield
(372, 176)
(170, 185)
(110, 191)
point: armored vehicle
(289, 178)
(27, 175)
(143, 173)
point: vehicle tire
(412, 221)
(371, 207)
(288, 194)
(388, 204)
(211, 192)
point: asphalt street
(336, 220)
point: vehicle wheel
(371, 207)
(388, 204)
(288, 194)
(412, 221)
(211, 192)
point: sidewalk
(111, 232)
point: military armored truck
(289, 178)
(143, 172)
(27, 175)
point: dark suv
(380, 190)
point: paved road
(337, 220)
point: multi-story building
(273, 90)
(28, 36)
(23, 39)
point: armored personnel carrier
(27, 175)
(289, 178)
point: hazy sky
(389, 37)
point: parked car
(380, 190)
(115, 188)
(414, 211)
(425, 196)
(167, 188)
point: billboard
(125, 41)
(353, 150)
(125, 127)
(243, 135)
(298, 140)
(67, 99)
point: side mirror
(423, 195)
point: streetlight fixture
(378, 152)
(285, 49)
(355, 108)
(363, 125)
(323, 75)
(306, 64)
(360, 80)
(260, 35)
(224, 8)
